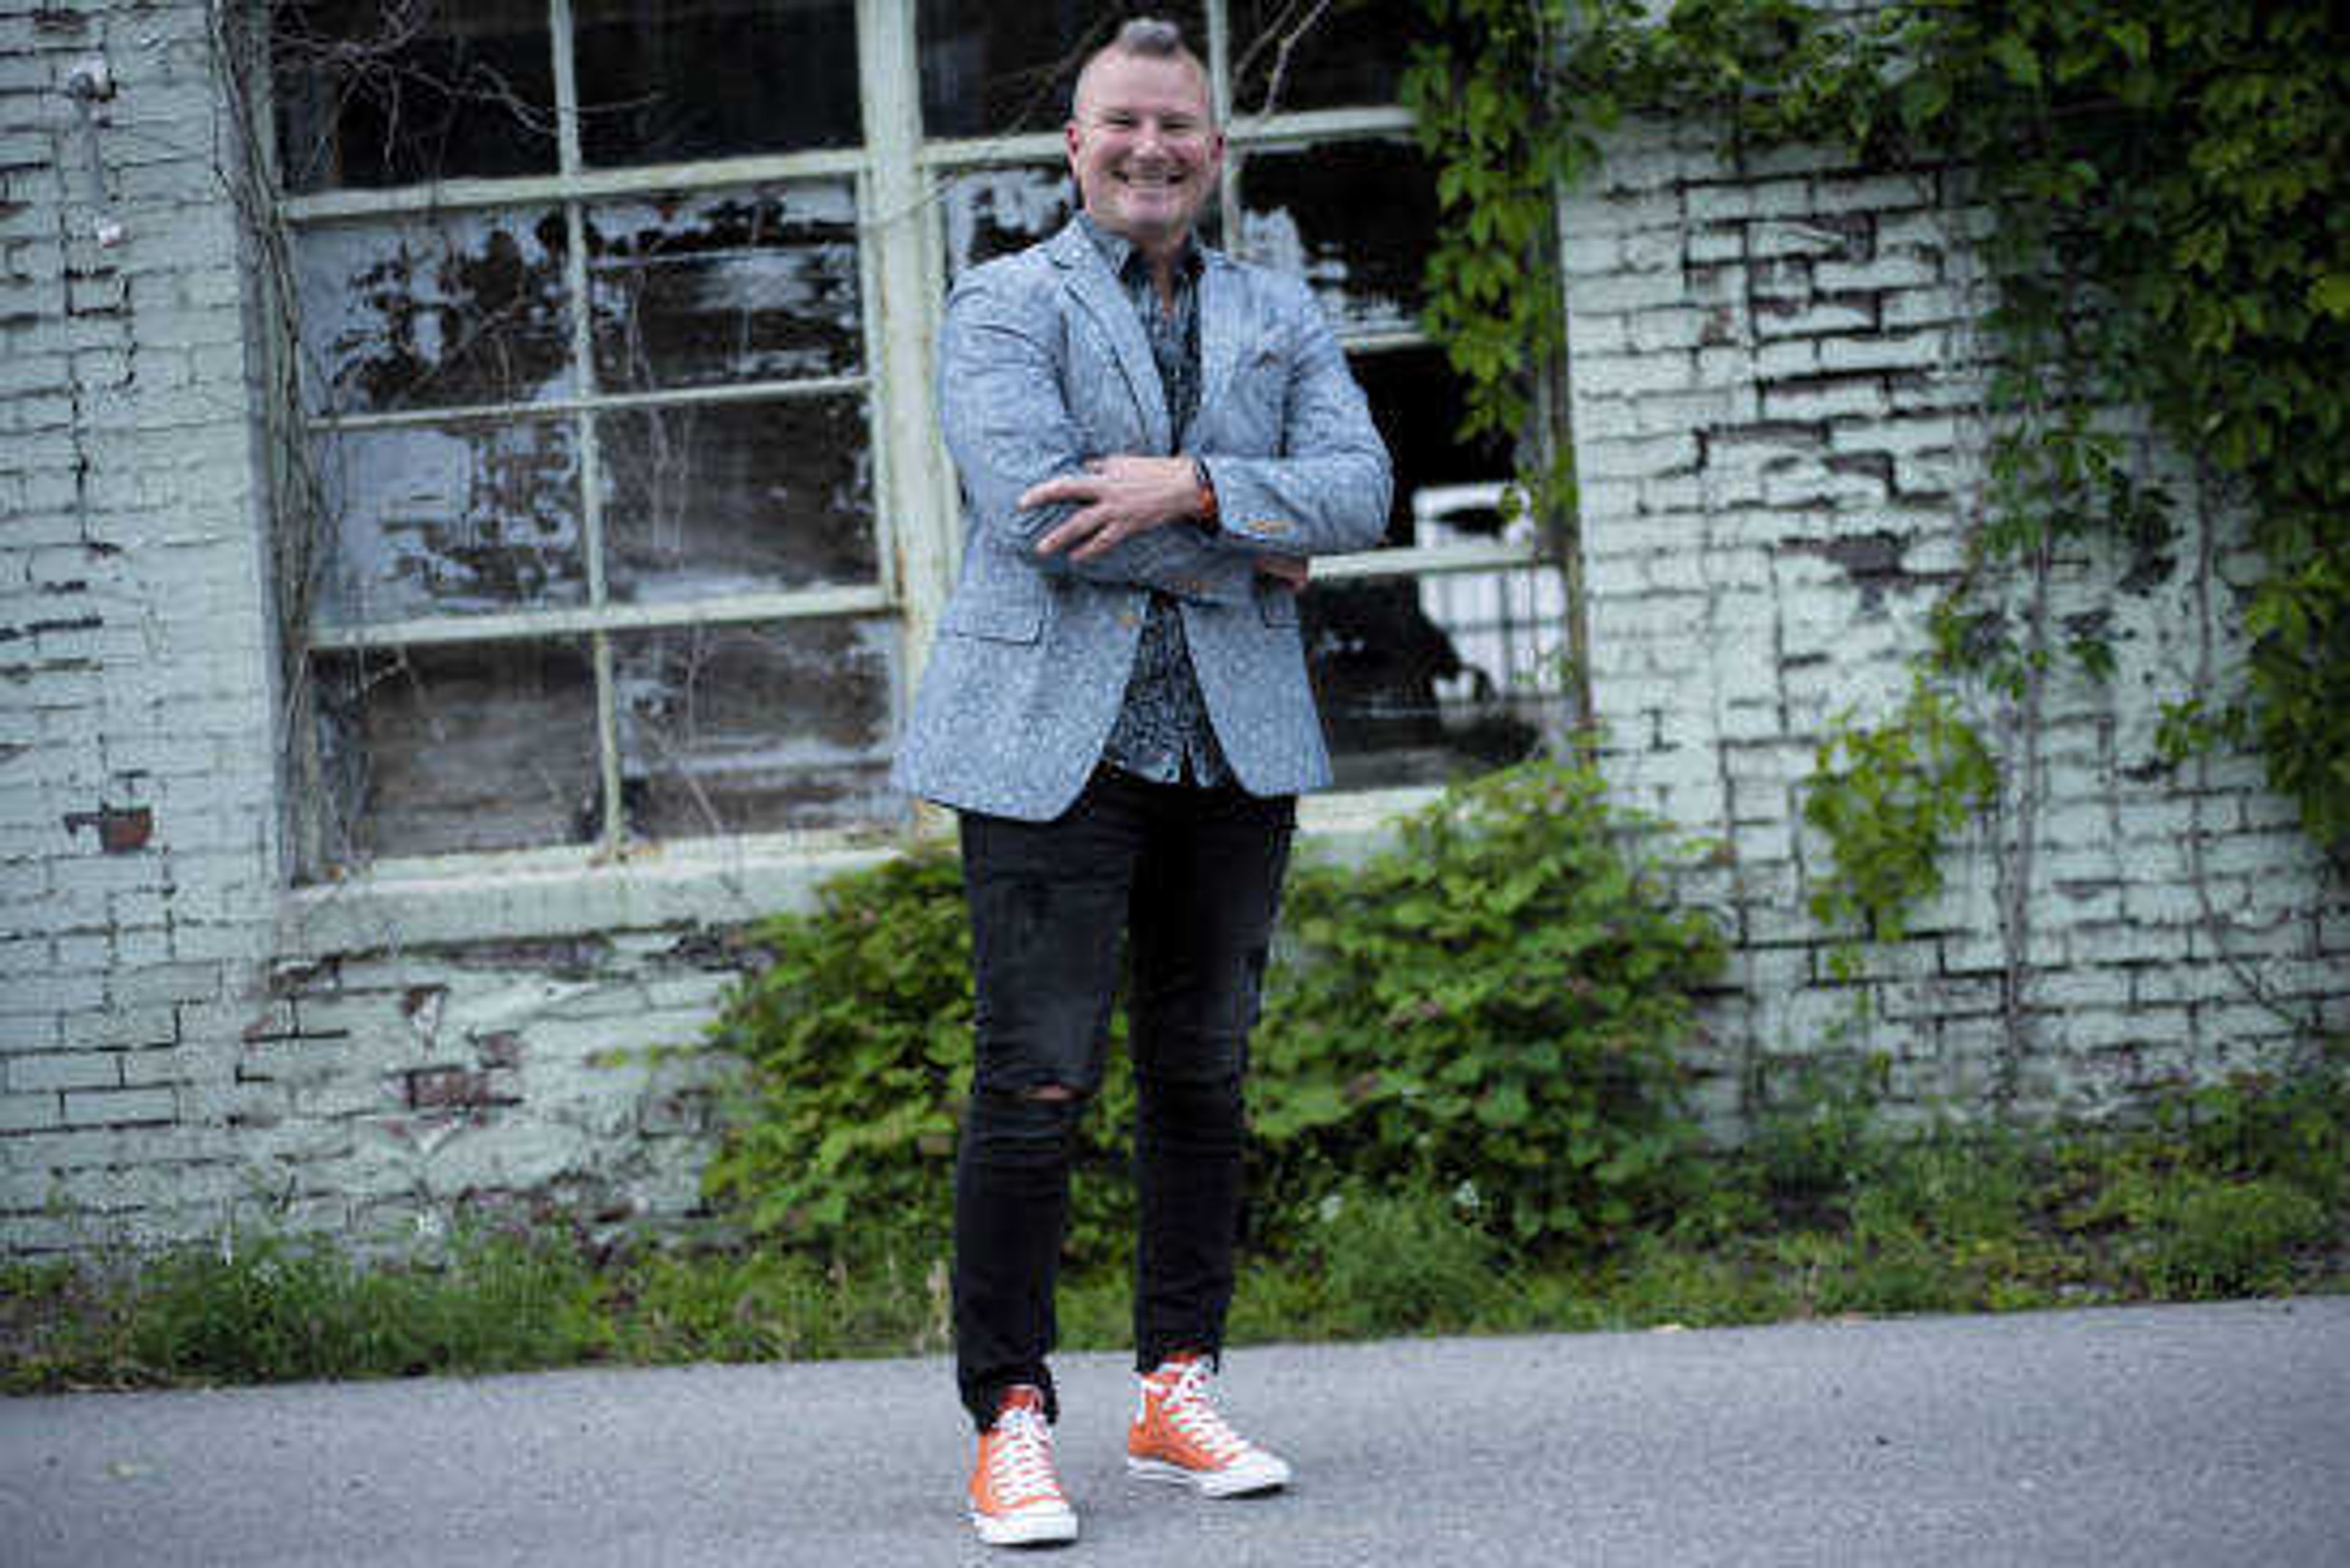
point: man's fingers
(1060, 487)
(1074, 530)
(1287, 570)
(1102, 540)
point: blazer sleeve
(1008, 426)
(1328, 487)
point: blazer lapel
(1219, 332)
(1090, 280)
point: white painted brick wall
(1847, 301)
(1774, 377)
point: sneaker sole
(1049, 1529)
(1208, 1484)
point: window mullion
(583, 356)
(1220, 99)
(908, 495)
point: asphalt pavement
(2149, 1437)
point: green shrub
(1957, 1184)
(854, 1039)
(2294, 1128)
(1823, 1138)
(272, 1308)
(1393, 1262)
(2199, 1237)
(768, 1303)
(1497, 1000)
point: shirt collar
(1118, 251)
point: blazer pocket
(996, 620)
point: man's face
(1144, 146)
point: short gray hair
(1146, 38)
(1153, 37)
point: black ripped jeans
(1190, 880)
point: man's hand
(1289, 571)
(1117, 497)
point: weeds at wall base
(2243, 1191)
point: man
(1151, 438)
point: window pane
(991, 212)
(448, 520)
(738, 498)
(1417, 401)
(447, 749)
(1353, 218)
(1425, 678)
(374, 95)
(740, 729)
(454, 309)
(663, 81)
(1306, 53)
(723, 289)
(1404, 697)
(989, 67)
(1507, 628)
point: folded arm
(1010, 430)
(1328, 488)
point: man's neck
(1164, 266)
(1164, 260)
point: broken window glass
(663, 81)
(1315, 54)
(989, 67)
(1428, 678)
(450, 520)
(440, 750)
(444, 311)
(708, 500)
(1417, 399)
(370, 95)
(726, 288)
(991, 212)
(755, 729)
(1355, 219)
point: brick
(1902, 307)
(165, 985)
(1633, 374)
(79, 1070)
(1907, 271)
(121, 1107)
(1825, 399)
(1885, 351)
(54, 994)
(1626, 292)
(29, 1113)
(1592, 254)
(1816, 317)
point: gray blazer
(1043, 364)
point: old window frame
(897, 174)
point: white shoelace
(1190, 1412)
(1020, 1464)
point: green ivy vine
(2169, 182)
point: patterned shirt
(1162, 733)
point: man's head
(1142, 137)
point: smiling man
(1152, 440)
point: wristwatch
(1204, 501)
